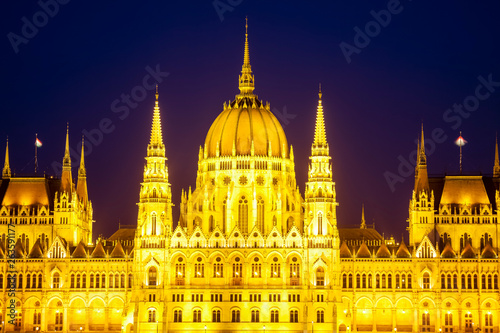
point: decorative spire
(81, 169)
(363, 222)
(67, 158)
(66, 178)
(246, 78)
(421, 176)
(320, 132)
(496, 167)
(156, 147)
(81, 187)
(6, 173)
(422, 159)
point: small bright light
(294, 273)
(449, 312)
(218, 273)
(275, 273)
(403, 311)
(345, 311)
(198, 273)
(237, 273)
(255, 273)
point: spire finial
(363, 221)
(246, 78)
(156, 147)
(320, 132)
(496, 167)
(67, 159)
(82, 157)
(6, 173)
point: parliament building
(249, 253)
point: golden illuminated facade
(249, 252)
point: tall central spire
(246, 78)
(421, 177)
(156, 147)
(320, 146)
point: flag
(460, 141)
(38, 143)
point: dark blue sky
(430, 56)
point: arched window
(426, 281)
(211, 224)
(152, 316)
(197, 316)
(177, 316)
(275, 316)
(275, 268)
(320, 276)
(320, 223)
(243, 215)
(130, 279)
(56, 279)
(289, 223)
(235, 316)
(152, 275)
(199, 268)
(216, 316)
(153, 223)
(294, 316)
(28, 281)
(260, 214)
(255, 316)
(218, 268)
(320, 316)
(295, 269)
(448, 322)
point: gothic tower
(421, 220)
(154, 225)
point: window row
(255, 316)
(381, 281)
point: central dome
(243, 121)
(246, 122)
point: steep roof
(348, 234)
(19, 249)
(468, 252)
(36, 250)
(80, 251)
(28, 191)
(461, 189)
(363, 251)
(383, 252)
(99, 251)
(344, 251)
(448, 252)
(125, 232)
(488, 252)
(117, 251)
(403, 251)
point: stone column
(394, 323)
(374, 321)
(415, 319)
(88, 313)
(459, 320)
(43, 323)
(65, 318)
(354, 327)
(106, 319)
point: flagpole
(36, 147)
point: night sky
(379, 82)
